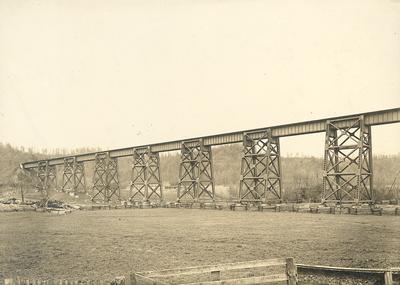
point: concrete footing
(240, 207)
(196, 205)
(145, 205)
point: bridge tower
(105, 178)
(348, 162)
(73, 176)
(146, 184)
(260, 179)
(196, 179)
(46, 177)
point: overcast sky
(123, 73)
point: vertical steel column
(47, 177)
(260, 178)
(113, 190)
(105, 178)
(73, 176)
(99, 187)
(154, 182)
(274, 169)
(138, 191)
(41, 184)
(196, 178)
(348, 162)
(146, 184)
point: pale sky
(122, 73)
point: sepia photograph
(199, 142)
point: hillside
(302, 176)
(10, 158)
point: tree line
(302, 176)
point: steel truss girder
(146, 184)
(260, 179)
(105, 179)
(73, 176)
(196, 178)
(348, 163)
(46, 178)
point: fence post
(8, 281)
(388, 278)
(291, 271)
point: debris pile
(44, 205)
(56, 207)
(13, 205)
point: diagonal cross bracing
(146, 185)
(260, 178)
(73, 176)
(46, 178)
(196, 179)
(105, 179)
(348, 163)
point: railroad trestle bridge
(347, 176)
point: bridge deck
(371, 118)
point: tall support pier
(348, 162)
(105, 179)
(260, 179)
(46, 178)
(146, 185)
(196, 178)
(73, 176)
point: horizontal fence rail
(286, 274)
(350, 270)
(309, 127)
(217, 267)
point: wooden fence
(286, 274)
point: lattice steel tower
(46, 177)
(73, 176)
(348, 162)
(260, 179)
(146, 185)
(105, 179)
(196, 179)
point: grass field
(105, 244)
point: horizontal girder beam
(309, 127)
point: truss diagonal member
(196, 178)
(68, 175)
(113, 191)
(348, 162)
(260, 179)
(79, 177)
